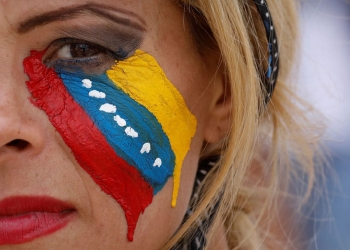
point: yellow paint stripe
(141, 77)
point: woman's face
(69, 179)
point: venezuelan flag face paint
(129, 128)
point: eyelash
(100, 57)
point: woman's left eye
(79, 50)
(72, 55)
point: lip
(25, 218)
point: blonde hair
(276, 138)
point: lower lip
(21, 228)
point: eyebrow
(71, 12)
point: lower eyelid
(90, 65)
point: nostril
(18, 144)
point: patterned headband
(273, 58)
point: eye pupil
(83, 50)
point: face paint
(159, 96)
(128, 128)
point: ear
(219, 117)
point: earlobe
(219, 118)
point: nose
(21, 127)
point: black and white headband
(273, 58)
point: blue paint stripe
(136, 116)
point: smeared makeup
(129, 127)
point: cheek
(129, 128)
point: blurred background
(325, 81)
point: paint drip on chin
(132, 112)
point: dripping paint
(130, 118)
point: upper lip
(17, 205)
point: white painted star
(87, 83)
(145, 148)
(108, 108)
(157, 162)
(97, 94)
(131, 132)
(120, 121)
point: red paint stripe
(91, 150)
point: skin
(42, 164)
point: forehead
(144, 12)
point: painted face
(103, 116)
(129, 127)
